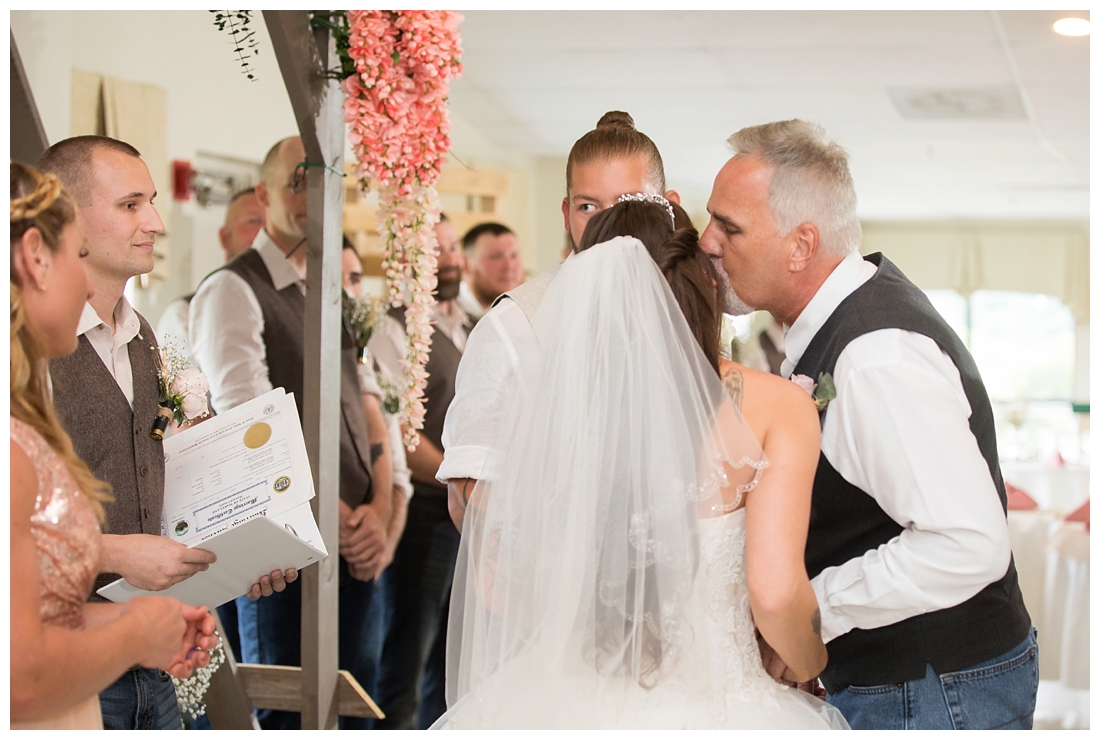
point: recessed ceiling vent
(972, 102)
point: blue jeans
(271, 630)
(998, 694)
(141, 699)
(416, 596)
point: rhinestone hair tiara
(650, 198)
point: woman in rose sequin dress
(63, 650)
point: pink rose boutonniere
(183, 390)
(821, 392)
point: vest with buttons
(284, 314)
(845, 522)
(113, 438)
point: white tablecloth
(1054, 489)
(1052, 560)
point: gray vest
(442, 368)
(113, 438)
(284, 314)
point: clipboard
(245, 554)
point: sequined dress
(68, 542)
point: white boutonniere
(183, 390)
(821, 392)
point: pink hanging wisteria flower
(396, 108)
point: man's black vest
(845, 522)
(284, 313)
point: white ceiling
(535, 81)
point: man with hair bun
(612, 160)
(908, 547)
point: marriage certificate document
(247, 462)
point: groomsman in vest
(247, 333)
(106, 395)
(908, 547)
(416, 589)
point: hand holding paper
(273, 583)
(151, 562)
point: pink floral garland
(396, 106)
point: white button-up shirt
(898, 430)
(226, 324)
(489, 381)
(113, 347)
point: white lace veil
(586, 546)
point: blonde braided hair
(39, 201)
(43, 196)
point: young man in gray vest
(908, 546)
(106, 395)
(247, 333)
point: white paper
(247, 462)
(245, 554)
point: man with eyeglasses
(247, 333)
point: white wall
(212, 108)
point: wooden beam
(303, 56)
(279, 687)
(227, 704)
(28, 137)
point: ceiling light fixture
(1072, 27)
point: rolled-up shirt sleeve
(225, 330)
(488, 381)
(898, 429)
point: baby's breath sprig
(191, 691)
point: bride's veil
(583, 551)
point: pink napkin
(1081, 514)
(1018, 500)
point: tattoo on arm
(815, 622)
(735, 385)
(375, 453)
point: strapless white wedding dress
(717, 682)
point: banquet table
(1052, 559)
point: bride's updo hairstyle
(38, 201)
(616, 138)
(689, 272)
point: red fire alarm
(181, 179)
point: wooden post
(303, 56)
(28, 137)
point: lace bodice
(722, 595)
(66, 534)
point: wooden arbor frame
(318, 689)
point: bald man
(244, 217)
(247, 332)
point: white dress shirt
(469, 303)
(172, 327)
(368, 385)
(898, 430)
(113, 347)
(226, 327)
(489, 382)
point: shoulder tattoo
(734, 383)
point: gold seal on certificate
(257, 435)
